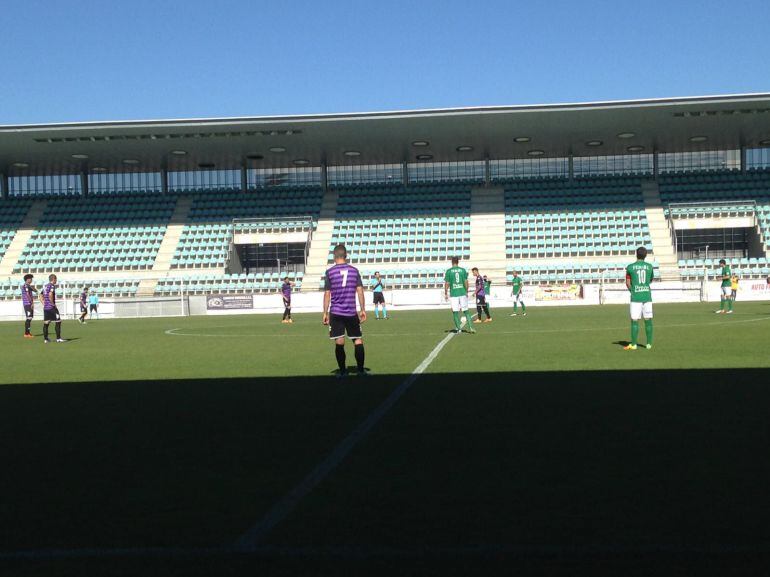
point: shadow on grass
(555, 470)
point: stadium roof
(583, 129)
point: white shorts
(727, 291)
(459, 303)
(639, 310)
(518, 298)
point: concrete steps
(22, 236)
(319, 245)
(168, 247)
(662, 245)
(488, 233)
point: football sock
(478, 311)
(456, 317)
(523, 308)
(384, 312)
(468, 317)
(634, 331)
(729, 304)
(376, 313)
(486, 310)
(288, 312)
(648, 330)
(722, 303)
(359, 351)
(515, 306)
(58, 330)
(27, 325)
(339, 352)
(45, 331)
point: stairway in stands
(488, 233)
(318, 254)
(167, 248)
(22, 236)
(662, 245)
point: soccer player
(638, 278)
(456, 290)
(343, 286)
(481, 297)
(28, 300)
(93, 305)
(726, 301)
(50, 311)
(518, 296)
(83, 306)
(378, 297)
(286, 292)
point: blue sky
(103, 60)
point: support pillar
(655, 165)
(244, 178)
(4, 186)
(487, 173)
(571, 167)
(743, 159)
(324, 177)
(164, 180)
(84, 183)
(405, 173)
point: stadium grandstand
(564, 194)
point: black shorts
(379, 298)
(29, 311)
(83, 309)
(339, 325)
(51, 315)
(287, 302)
(481, 300)
(93, 308)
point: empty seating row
(70, 288)
(697, 269)
(579, 218)
(227, 283)
(12, 213)
(572, 272)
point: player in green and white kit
(456, 290)
(639, 275)
(518, 295)
(726, 299)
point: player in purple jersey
(50, 311)
(286, 292)
(481, 297)
(28, 300)
(83, 306)
(343, 285)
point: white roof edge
(391, 113)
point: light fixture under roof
(699, 138)
(536, 152)
(254, 156)
(521, 139)
(80, 156)
(20, 165)
(464, 148)
(206, 165)
(130, 161)
(626, 135)
(277, 149)
(98, 169)
(420, 143)
(635, 148)
(352, 153)
(765, 142)
(424, 156)
(179, 152)
(594, 143)
(301, 161)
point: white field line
(249, 541)
(175, 333)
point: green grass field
(537, 441)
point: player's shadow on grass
(621, 343)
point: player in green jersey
(726, 300)
(639, 275)
(456, 290)
(518, 295)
